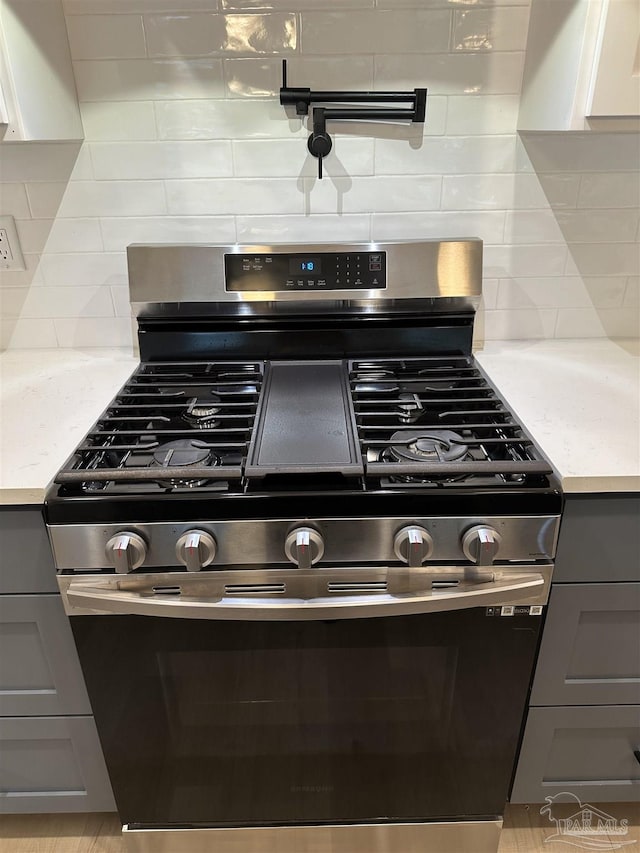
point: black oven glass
(254, 723)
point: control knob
(413, 545)
(196, 549)
(126, 551)
(304, 546)
(481, 544)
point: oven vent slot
(167, 590)
(445, 584)
(354, 587)
(254, 588)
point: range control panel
(307, 272)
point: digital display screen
(304, 266)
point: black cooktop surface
(361, 425)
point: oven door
(294, 717)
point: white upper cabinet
(582, 66)
(38, 96)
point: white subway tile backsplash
(121, 301)
(187, 143)
(54, 302)
(83, 167)
(621, 323)
(525, 261)
(488, 225)
(75, 235)
(610, 189)
(632, 292)
(490, 292)
(560, 190)
(605, 291)
(118, 233)
(559, 292)
(507, 191)
(229, 119)
(519, 325)
(598, 226)
(28, 334)
(100, 7)
(352, 72)
(261, 78)
(446, 4)
(90, 332)
(105, 36)
(532, 226)
(37, 161)
(59, 235)
(280, 158)
(148, 79)
(305, 229)
(235, 196)
(33, 234)
(362, 195)
(579, 323)
(599, 259)
(112, 198)
(84, 269)
(252, 78)
(118, 120)
(415, 31)
(583, 152)
(143, 160)
(13, 201)
(452, 154)
(461, 73)
(478, 192)
(31, 275)
(44, 198)
(490, 29)
(239, 5)
(203, 35)
(478, 114)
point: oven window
(229, 723)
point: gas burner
(201, 412)
(434, 445)
(181, 453)
(410, 409)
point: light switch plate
(11, 257)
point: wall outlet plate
(11, 257)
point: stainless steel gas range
(306, 552)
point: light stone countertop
(580, 400)
(48, 401)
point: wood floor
(525, 831)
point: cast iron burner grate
(437, 421)
(173, 426)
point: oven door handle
(521, 588)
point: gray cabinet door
(52, 764)
(26, 561)
(588, 752)
(599, 539)
(39, 669)
(590, 652)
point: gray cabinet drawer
(26, 562)
(590, 652)
(52, 764)
(584, 751)
(39, 669)
(599, 539)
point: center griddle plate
(306, 423)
